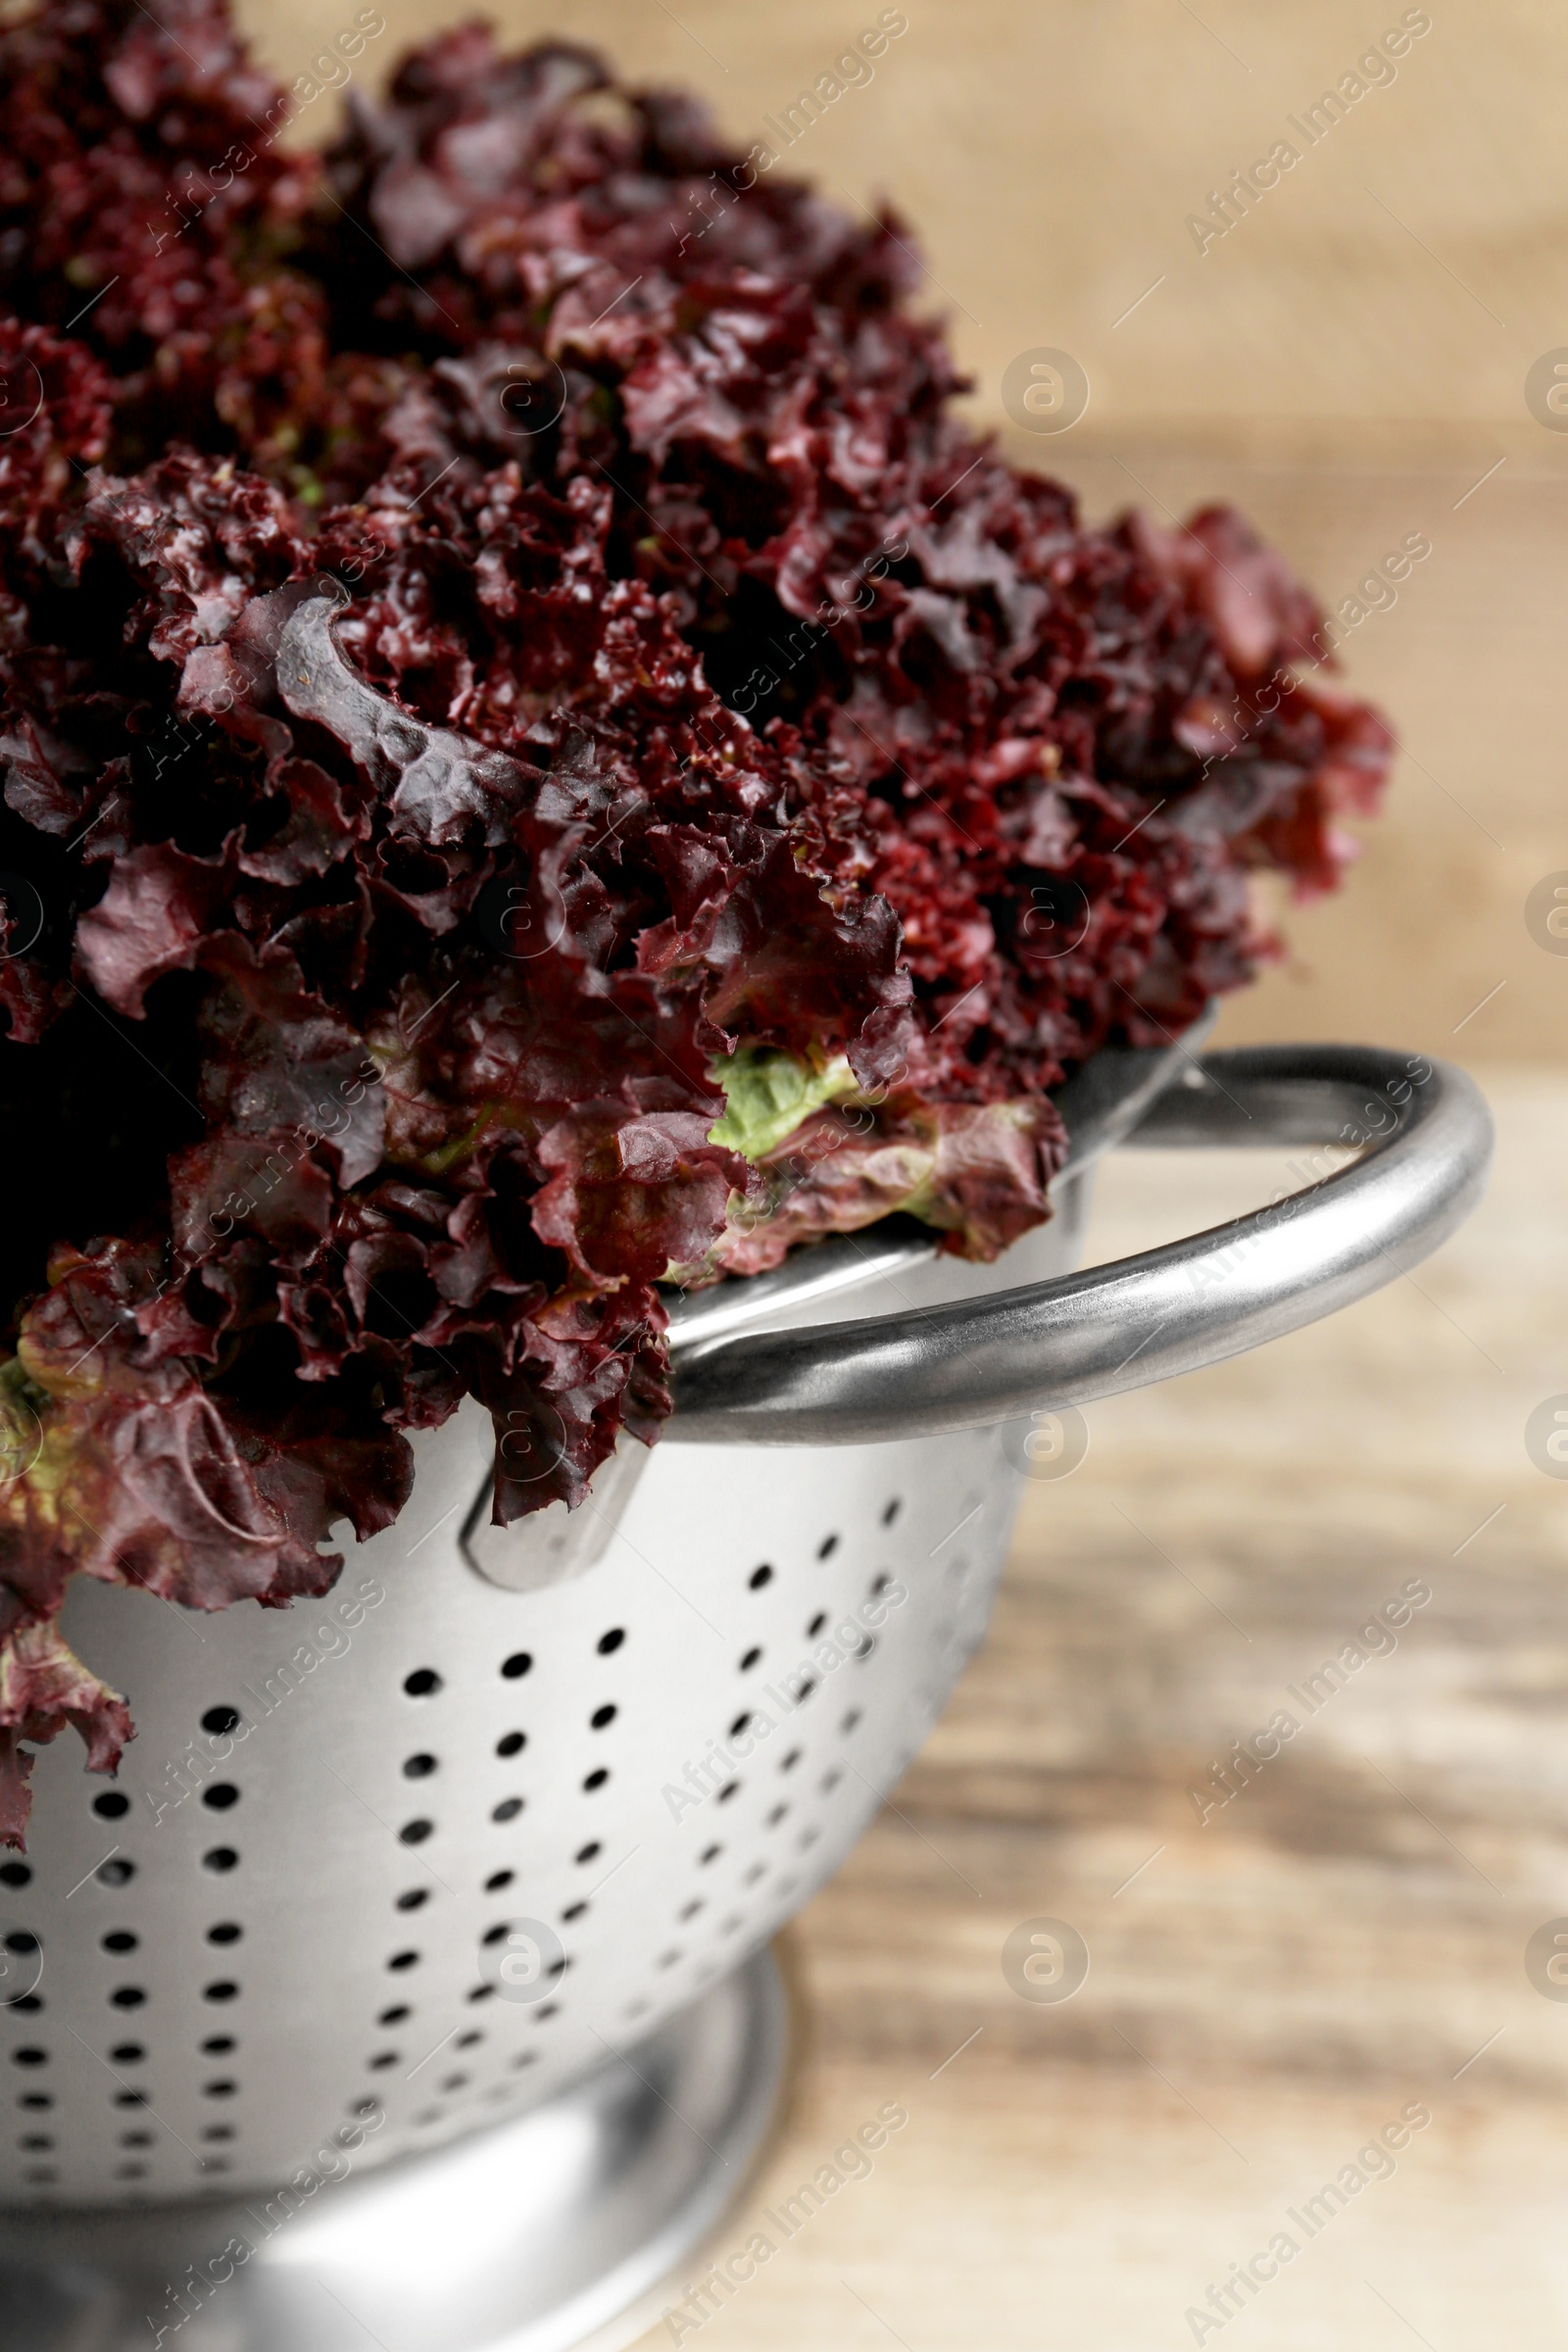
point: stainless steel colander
(410, 1984)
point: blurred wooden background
(1270, 1985)
(1346, 362)
(1049, 151)
(1349, 365)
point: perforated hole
(225, 1989)
(892, 1509)
(741, 1853)
(220, 1858)
(15, 1875)
(128, 2053)
(415, 1832)
(219, 1722)
(113, 1805)
(219, 2045)
(225, 1932)
(221, 1796)
(116, 1872)
(120, 1941)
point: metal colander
(490, 1837)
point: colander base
(549, 2232)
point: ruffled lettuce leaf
(535, 749)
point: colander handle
(1424, 1137)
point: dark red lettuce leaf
(493, 620)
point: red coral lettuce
(496, 622)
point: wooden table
(1273, 1985)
